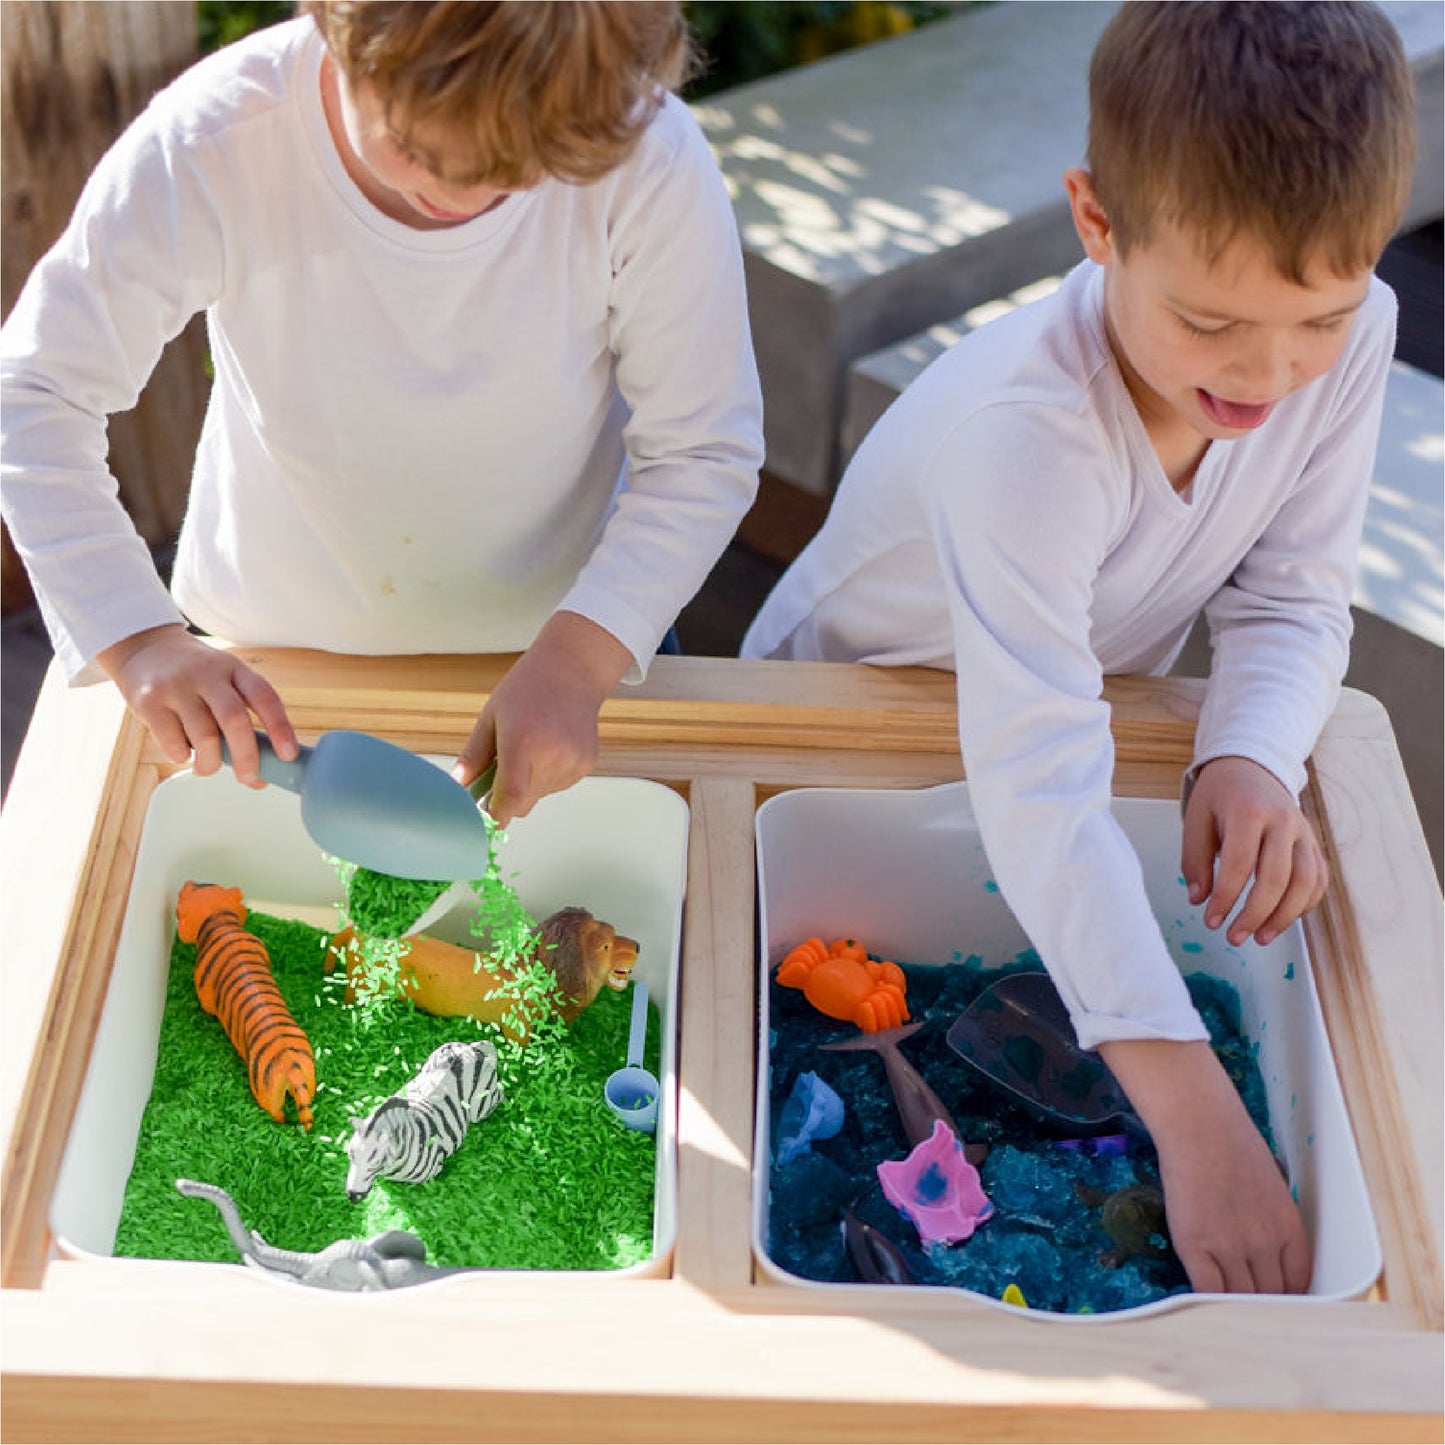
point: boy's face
(426, 188)
(1209, 349)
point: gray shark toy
(391, 1260)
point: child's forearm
(113, 659)
(1171, 1083)
(1232, 1219)
(591, 655)
(540, 723)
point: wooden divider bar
(718, 1028)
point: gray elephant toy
(391, 1260)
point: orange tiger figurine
(234, 982)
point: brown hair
(1292, 122)
(539, 88)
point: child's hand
(1244, 814)
(1231, 1219)
(189, 695)
(541, 722)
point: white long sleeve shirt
(417, 441)
(1009, 518)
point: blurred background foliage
(742, 42)
(737, 40)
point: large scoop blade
(378, 805)
(1017, 1034)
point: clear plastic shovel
(632, 1092)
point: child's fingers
(1239, 1277)
(477, 752)
(230, 719)
(265, 702)
(169, 732)
(514, 793)
(508, 798)
(1307, 885)
(1237, 854)
(1196, 857)
(1297, 1263)
(1273, 873)
(1267, 1273)
(204, 735)
(1204, 1271)
(241, 745)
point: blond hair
(1292, 122)
(535, 88)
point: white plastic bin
(617, 846)
(907, 871)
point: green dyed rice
(385, 907)
(382, 909)
(549, 1181)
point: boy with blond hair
(483, 378)
(1188, 423)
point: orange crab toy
(840, 980)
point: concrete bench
(1422, 30)
(885, 189)
(880, 190)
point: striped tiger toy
(409, 1136)
(234, 982)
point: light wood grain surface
(144, 1350)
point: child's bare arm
(190, 695)
(541, 722)
(1241, 813)
(1232, 1220)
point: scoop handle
(481, 785)
(637, 1033)
(274, 768)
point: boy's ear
(1091, 221)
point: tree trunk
(73, 74)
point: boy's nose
(1266, 372)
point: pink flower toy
(936, 1188)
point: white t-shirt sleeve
(1021, 532)
(679, 329)
(138, 259)
(1281, 626)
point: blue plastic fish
(813, 1111)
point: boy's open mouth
(1236, 415)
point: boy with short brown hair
(483, 378)
(1188, 423)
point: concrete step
(884, 190)
(1421, 24)
(874, 381)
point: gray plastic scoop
(372, 803)
(1017, 1034)
(632, 1092)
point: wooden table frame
(144, 1350)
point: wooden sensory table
(120, 1350)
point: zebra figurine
(409, 1136)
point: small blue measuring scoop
(632, 1092)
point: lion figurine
(454, 981)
